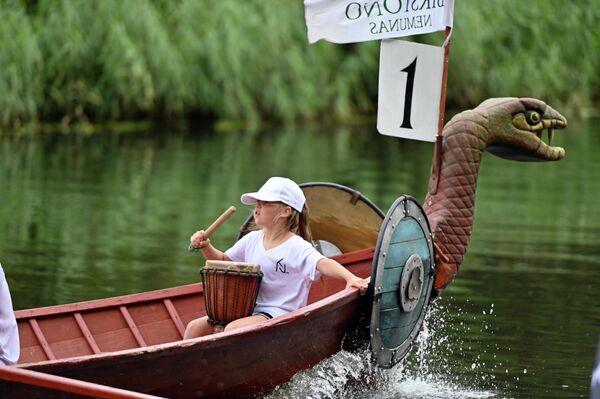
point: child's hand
(199, 240)
(359, 283)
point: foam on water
(426, 372)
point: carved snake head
(515, 126)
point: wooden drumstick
(214, 226)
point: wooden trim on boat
(132, 327)
(89, 337)
(355, 256)
(42, 339)
(63, 384)
(174, 316)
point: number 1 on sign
(409, 72)
(410, 83)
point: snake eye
(533, 117)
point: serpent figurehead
(510, 128)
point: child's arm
(331, 268)
(199, 240)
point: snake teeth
(550, 128)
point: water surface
(85, 217)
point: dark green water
(104, 215)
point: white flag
(347, 21)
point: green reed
(76, 61)
(542, 48)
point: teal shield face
(401, 281)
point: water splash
(427, 372)
(335, 377)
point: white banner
(347, 21)
(410, 87)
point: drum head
(232, 266)
(401, 281)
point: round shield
(401, 280)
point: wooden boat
(134, 342)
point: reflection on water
(97, 216)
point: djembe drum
(230, 290)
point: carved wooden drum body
(230, 290)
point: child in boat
(282, 247)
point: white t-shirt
(9, 334)
(289, 270)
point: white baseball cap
(279, 189)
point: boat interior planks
(114, 324)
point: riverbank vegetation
(76, 61)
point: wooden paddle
(214, 226)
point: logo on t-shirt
(280, 266)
